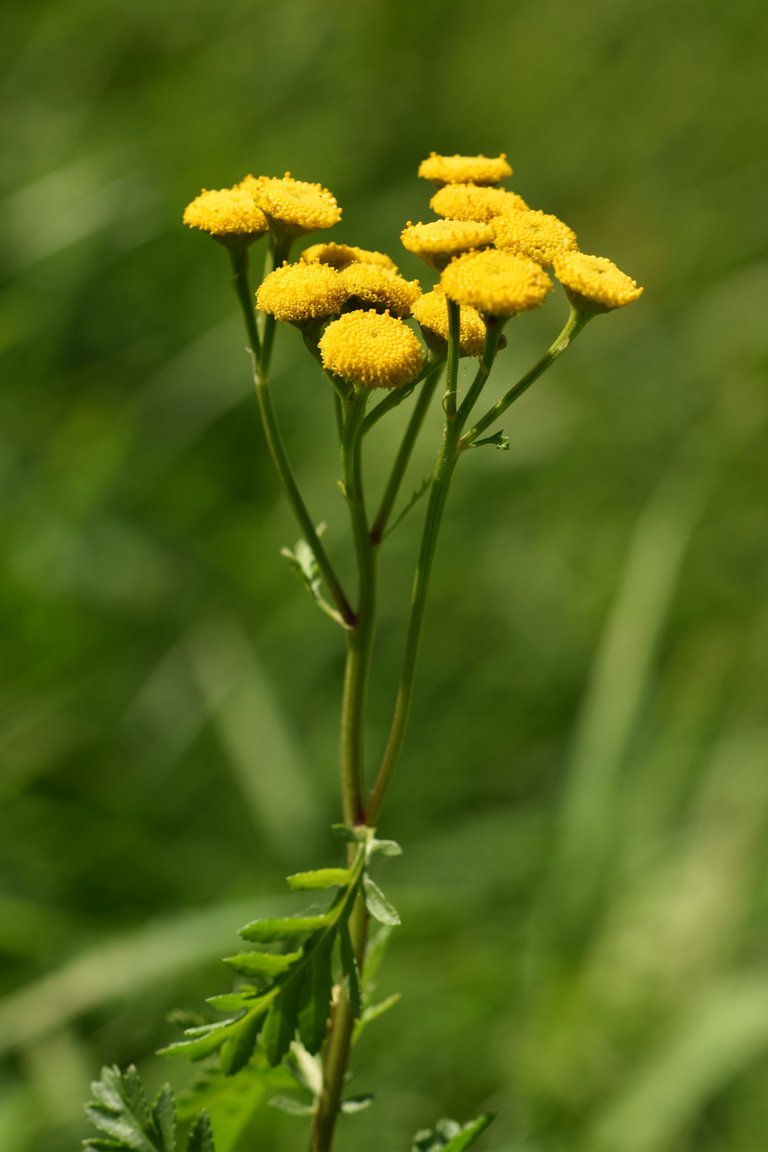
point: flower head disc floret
(537, 235)
(441, 240)
(431, 311)
(342, 255)
(379, 287)
(300, 293)
(371, 350)
(226, 212)
(465, 169)
(593, 283)
(496, 283)
(293, 207)
(474, 202)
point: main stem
(359, 645)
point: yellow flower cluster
(492, 248)
(371, 350)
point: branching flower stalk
(374, 334)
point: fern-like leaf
(119, 1110)
(450, 1136)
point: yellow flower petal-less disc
(431, 311)
(474, 202)
(371, 350)
(496, 283)
(593, 283)
(293, 207)
(380, 287)
(226, 212)
(465, 169)
(440, 241)
(536, 235)
(342, 255)
(299, 293)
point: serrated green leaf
(377, 903)
(201, 1136)
(320, 878)
(123, 1129)
(356, 1104)
(290, 1106)
(239, 1001)
(350, 970)
(122, 1116)
(315, 996)
(201, 1042)
(470, 1132)
(238, 1048)
(280, 1025)
(450, 1136)
(135, 1096)
(279, 929)
(164, 1117)
(262, 963)
(97, 1145)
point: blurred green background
(584, 795)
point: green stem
(261, 351)
(438, 494)
(356, 673)
(426, 392)
(360, 636)
(337, 1046)
(454, 349)
(493, 331)
(576, 321)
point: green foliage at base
(120, 1110)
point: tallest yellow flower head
(465, 169)
(293, 207)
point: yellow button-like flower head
(372, 285)
(474, 202)
(226, 213)
(342, 255)
(465, 169)
(371, 350)
(593, 283)
(536, 235)
(496, 283)
(431, 311)
(300, 293)
(293, 207)
(441, 240)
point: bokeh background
(584, 795)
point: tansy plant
(304, 988)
